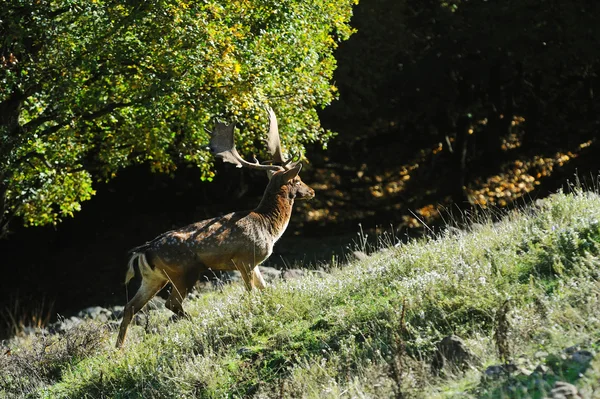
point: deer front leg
(257, 279)
(245, 271)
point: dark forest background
(441, 108)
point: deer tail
(142, 261)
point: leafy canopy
(90, 87)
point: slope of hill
(497, 309)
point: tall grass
(20, 316)
(520, 290)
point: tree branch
(106, 110)
(89, 116)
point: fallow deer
(236, 241)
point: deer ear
(292, 172)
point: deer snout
(305, 193)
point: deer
(236, 241)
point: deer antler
(273, 141)
(223, 146)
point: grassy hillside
(523, 294)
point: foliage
(479, 82)
(371, 328)
(90, 87)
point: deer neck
(275, 209)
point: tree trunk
(533, 114)
(4, 214)
(461, 147)
(500, 112)
(9, 135)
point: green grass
(368, 329)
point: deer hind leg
(257, 279)
(152, 282)
(182, 284)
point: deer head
(285, 184)
(280, 171)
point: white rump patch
(144, 266)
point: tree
(91, 87)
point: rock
(524, 366)
(28, 330)
(231, 277)
(542, 369)
(117, 311)
(270, 274)
(319, 273)
(359, 255)
(244, 351)
(113, 325)
(452, 353)
(582, 357)
(496, 371)
(96, 313)
(63, 325)
(571, 349)
(155, 303)
(141, 319)
(292, 274)
(564, 390)
(510, 367)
